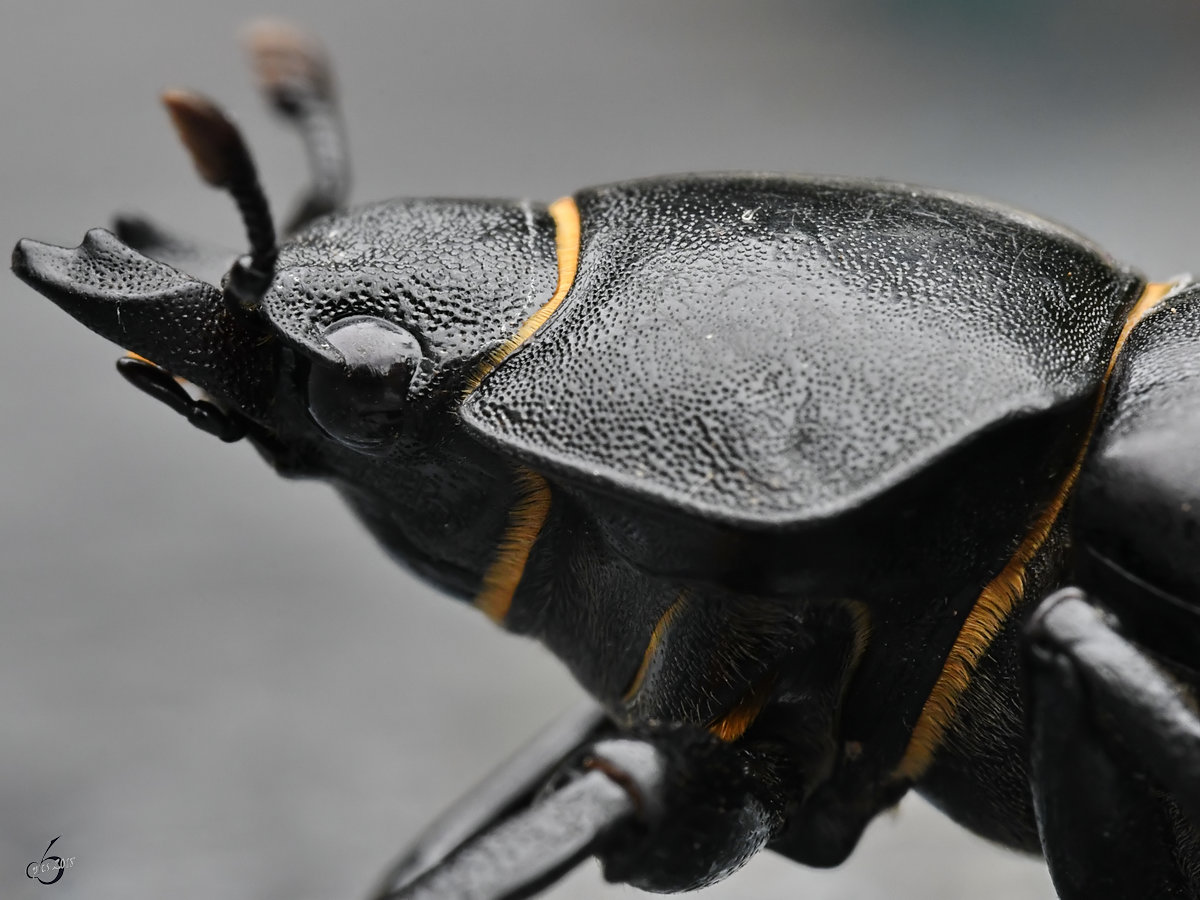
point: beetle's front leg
(508, 790)
(668, 809)
(1115, 747)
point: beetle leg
(704, 806)
(671, 809)
(295, 76)
(510, 788)
(1111, 734)
(530, 850)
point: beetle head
(361, 330)
(390, 309)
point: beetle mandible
(824, 490)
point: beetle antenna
(295, 75)
(223, 161)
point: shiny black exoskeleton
(824, 490)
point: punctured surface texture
(766, 351)
(1139, 492)
(460, 275)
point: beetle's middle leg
(668, 808)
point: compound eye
(361, 404)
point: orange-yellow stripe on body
(860, 619)
(734, 723)
(656, 636)
(525, 521)
(529, 512)
(1002, 594)
(565, 214)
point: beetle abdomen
(767, 351)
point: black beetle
(823, 489)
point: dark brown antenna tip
(288, 60)
(214, 142)
(223, 161)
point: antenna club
(212, 140)
(223, 161)
(287, 61)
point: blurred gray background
(212, 684)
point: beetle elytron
(823, 489)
